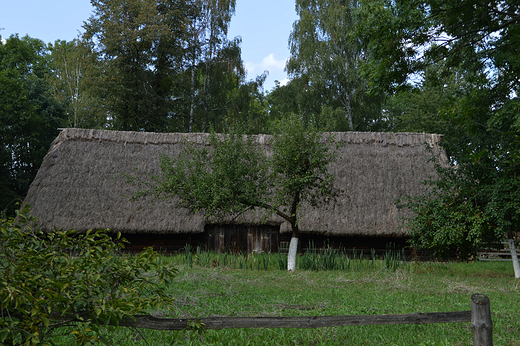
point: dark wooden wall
(243, 238)
(254, 239)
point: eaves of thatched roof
(81, 184)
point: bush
(449, 218)
(64, 278)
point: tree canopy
(326, 57)
(69, 78)
(29, 116)
(136, 45)
(405, 36)
(476, 40)
(166, 66)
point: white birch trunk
(514, 257)
(291, 259)
(349, 114)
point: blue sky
(263, 25)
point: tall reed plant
(316, 259)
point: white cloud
(275, 68)
(3, 41)
(284, 81)
(269, 63)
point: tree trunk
(293, 246)
(291, 259)
(349, 114)
(514, 257)
(348, 110)
(192, 103)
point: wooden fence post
(481, 323)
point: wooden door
(243, 238)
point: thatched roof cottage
(81, 185)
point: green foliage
(476, 199)
(29, 116)
(406, 36)
(325, 61)
(308, 100)
(219, 97)
(301, 156)
(446, 220)
(226, 179)
(422, 107)
(69, 81)
(474, 202)
(484, 142)
(235, 174)
(165, 66)
(135, 44)
(59, 279)
(461, 213)
(465, 54)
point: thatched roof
(81, 183)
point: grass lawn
(366, 288)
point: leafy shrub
(450, 217)
(64, 278)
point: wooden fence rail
(479, 316)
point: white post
(291, 259)
(514, 257)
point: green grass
(206, 287)
(315, 259)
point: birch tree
(69, 81)
(325, 52)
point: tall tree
(406, 36)
(165, 65)
(208, 39)
(423, 105)
(137, 44)
(247, 105)
(324, 53)
(216, 96)
(306, 99)
(236, 175)
(29, 116)
(69, 81)
(309, 100)
(482, 133)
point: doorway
(243, 238)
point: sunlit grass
(206, 288)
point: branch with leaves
(235, 173)
(63, 278)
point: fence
(479, 316)
(500, 252)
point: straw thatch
(81, 183)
